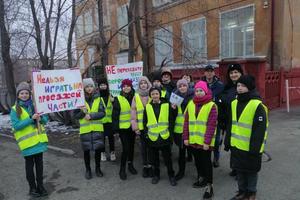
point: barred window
(79, 26)
(237, 32)
(157, 3)
(122, 21)
(88, 21)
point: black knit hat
(248, 81)
(155, 88)
(102, 81)
(156, 76)
(236, 66)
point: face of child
(155, 96)
(241, 88)
(183, 88)
(143, 85)
(166, 77)
(199, 92)
(157, 83)
(103, 86)
(24, 95)
(234, 75)
(89, 89)
(126, 89)
(187, 78)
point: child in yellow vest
(140, 99)
(199, 133)
(31, 143)
(91, 127)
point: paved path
(278, 180)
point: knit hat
(23, 86)
(127, 82)
(102, 81)
(236, 66)
(88, 82)
(248, 81)
(166, 71)
(154, 88)
(202, 85)
(156, 76)
(182, 82)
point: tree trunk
(131, 51)
(5, 51)
(70, 36)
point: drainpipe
(272, 34)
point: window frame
(170, 31)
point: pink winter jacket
(134, 122)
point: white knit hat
(88, 82)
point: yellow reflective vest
(29, 136)
(163, 93)
(241, 129)
(160, 127)
(108, 111)
(87, 126)
(140, 111)
(124, 118)
(179, 121)
(198, 125)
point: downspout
(272, 34)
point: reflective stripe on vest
(163, 93)
(28, 136)
(87, 126)
(124, 118)
(140, 111)
(179, 121)
(160, 127)
(198, 126)
(108, 111)
(241, 129)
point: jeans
(247, 181)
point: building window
(88, 21)
(80, 59)
(122, 21)
(91, 57)
(157, 3)
(194, 41)
(106, 15)
(79, 26)
(163, 43)
(122, 58)
(237, 32)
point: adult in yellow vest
(187, 94)
(159, 117)
(157, 82)
(121, 124)
(199, 133)
(247, 137)
(107, 101)
(140, 99)
(91, 127)
(31, 142)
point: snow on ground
(52, 126)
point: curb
(61, 150)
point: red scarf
(202, 100)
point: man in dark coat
(247, 162)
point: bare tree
(70, 36)
(5, 52)
(130, 16)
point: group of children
(207, 108)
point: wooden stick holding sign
(38, 124)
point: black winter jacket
(172, 117)
(242, 160)
(92, 140)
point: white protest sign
(57, 90)
(175, 99)
(117, 73)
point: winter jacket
(93, 140)
(210, 130)
(117, 109)
(172, 116)
(18, 124)
(170, 87)
(242, 160)
(134, 122)
(216, 87)
(189, 96)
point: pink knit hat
(203, 86)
